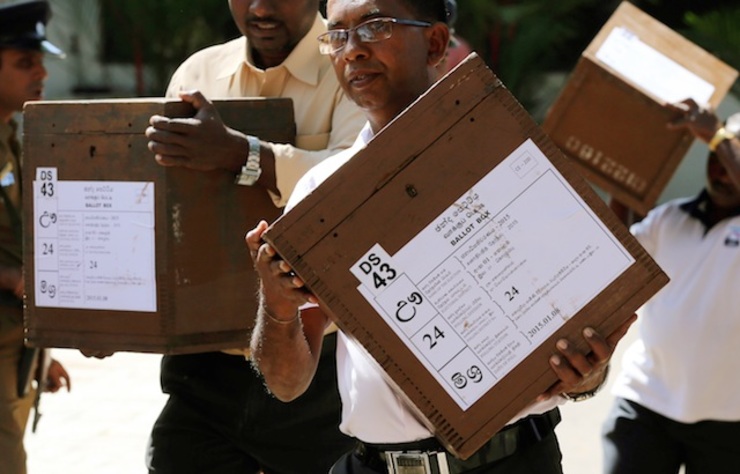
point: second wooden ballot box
(610, 116)
(122, 254)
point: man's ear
(439, 40)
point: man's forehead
(19, 53)
(13, 55)
(352, 5)
(341, 10)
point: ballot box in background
(122, 254)
(609, 118)
(457, 247)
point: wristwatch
(721, 135)
(251, 170)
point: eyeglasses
(370, 31)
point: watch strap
(720, 135)
(251, 170)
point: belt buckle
(400, 462)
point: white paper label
(94, 244)
(477, 290)
(650, 70)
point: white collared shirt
(683, 364)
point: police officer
(22, 46)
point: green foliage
(717, 31)
(523, 40)
(162, 33)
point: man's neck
(380, 118)
(716, 214)
(267, 61)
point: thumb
(196, 98)
(254, 236)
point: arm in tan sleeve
(291, 162)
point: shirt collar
(698, 208)
(301, 63)
(366, 134)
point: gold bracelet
(721, 135)
(281, 321)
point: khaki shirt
(11, 253)
(327, 121)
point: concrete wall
(75, 27)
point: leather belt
(428, 456)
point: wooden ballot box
(122, 254)
(609, 118)
(457, 247)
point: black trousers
(219, 419)
(533, 455)
(640, 441)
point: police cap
(23, 26)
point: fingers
(601, 350)
(168, 146)
(279, 281)
(168, 129)
(53, 384)
(620, 332)
(269, 265)
(700, 120)
(582, 370)
(19, 290)
(682, 111)
(67, 380)
(553, 391)
(195, 97)
(253, 239)
(90, 353)
(579, 370)
(201, 142)
(167, 160)
(57, 377)
(678, 108)
(311, 298)
(280, 269)
(685, 106)
(167, 155)
(570, 364)
(204, 109)
(584, 363)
